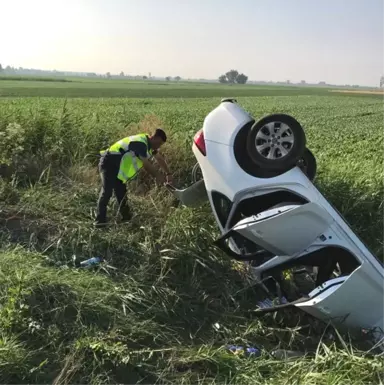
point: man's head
(158, 139)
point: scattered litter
(91, 262)
(267, 303)
(248, 351)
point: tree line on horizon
(9, 70)
(232, 77)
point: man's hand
(169, 179)
(163, 164)
(160, 179)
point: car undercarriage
(299, 248)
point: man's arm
(149, 166)
(152, 170)
(140, 150)
(162, 163)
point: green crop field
(150, 317)
(106, 88)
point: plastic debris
(267, 303)
(91, 262)
(248, 351)
(216, 326)
(279, 354)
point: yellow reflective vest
(130, 164)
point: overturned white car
(258, 177)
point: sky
(337, 41)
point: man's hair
(160, 134)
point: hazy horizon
(339, 41)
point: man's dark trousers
(109, 167)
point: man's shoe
(126, 217)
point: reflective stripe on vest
(121, 144)
(130, 164)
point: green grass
(151, 319)
(13, 79)
(107, 88)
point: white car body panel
(287, 230)
(335, 301)
(224, 122)
(294, 232)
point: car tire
(271, 151)
(307, 163)
(196, 173)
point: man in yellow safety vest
(121, 163)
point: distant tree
(382, 81)
(108, 74)
(223, 79)
(1, 68)
(241, 78)
(145, 77)
(168, 78)
(231, 76)
(177, 78)
(122, 74)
